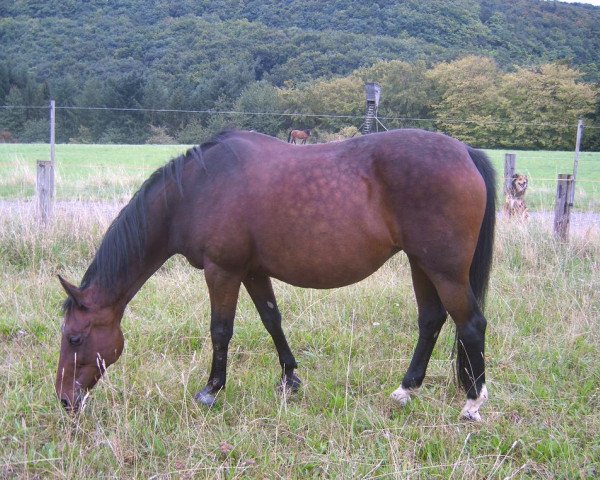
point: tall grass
(353, 346)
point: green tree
(259, 97)
(529, 108)
(35, 131)
(331, 98)
(466, 101)
(591, 137)
(4, 82)
(93, 122)
(228, 81)
(542, 105)
(68, 121)
(12, 119)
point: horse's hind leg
(432, 316)
(458, 298)
(223, 288)
(261, 292)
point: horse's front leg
(223, 288)
(261, 292)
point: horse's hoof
(289, 384)
(402, 395)
(470, 416)
(470, 411)
(206, 398)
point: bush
(159, 136)
(35, 131)
(6, 137)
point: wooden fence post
(562, 209)
(45, 189)
(510, 159)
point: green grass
(353, 346)
(108, 172)
(83, 172)
(543, 167)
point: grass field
(101, 172)
(84, 172)
(353, 346)
(543, 167)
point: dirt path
(96, 209)
(581, 223)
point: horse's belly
(323, 225)
(335, 276)
(326, 261)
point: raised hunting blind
(372, 93)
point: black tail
(290, 136)
(482, 259)
(479, 274)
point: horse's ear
(516, 175)
(72, 291)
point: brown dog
(515, 205)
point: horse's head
(91, 341)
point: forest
(487, 71)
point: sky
(591, 2)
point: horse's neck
(145, 270)
(155, 253)
(157, 244)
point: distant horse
(246, 207)
(301, 135)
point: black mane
(125, 239)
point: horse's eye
(75, 340)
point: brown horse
(301, 135)
(246, 207)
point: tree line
(297, 40)
(470, 98)
(299, 56)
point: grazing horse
(246, 207)
(301, 135)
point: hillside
(293, 40)
(203, 54)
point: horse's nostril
(65, 403)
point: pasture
(352, 345)
(109, 172)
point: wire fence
(93, 175)
(397, 118)
(90, 173)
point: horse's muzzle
(71, 406)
